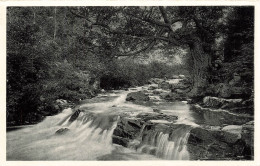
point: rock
(75, 115)
(227, 91)
(173, 96)
(181, 91)
(156, 80)
(216, 102)
(232, 133)
(241, 92)
(137, 96)
(155, 116)
(154, 98)
(157, 92)
(120, 141)
(204, 144)
(236, 81)
(62, 131)
(164, 85)
(126, 130)
(157, 110)
(223, 90)
(248, 133)
(175, 77)
(181, 76)
(219, 117)
(42, 99)
(145, 91)
(152, 87)
(180, 85)
(248, 137)
(61, 101)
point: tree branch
(148, 20)
(201, 27)
(164, 15)
(149, 46)
(78, 15)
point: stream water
(89, 137)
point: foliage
(62, 52)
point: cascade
(169, 146)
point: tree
(128, 31)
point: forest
(145, 82)
(73, 53)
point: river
(89, 137)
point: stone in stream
(181, 91)
(216, 102)
(173, 96)
(129, 128)
(219, 117)
(152, 87)
(164, 85)
(156, 116)
(157, 110)
(137, 96)
(205, 144)
(62, 131)
(247, 134)
(75, 115)
(181, 76)
(232, 133)
(155, 80)
(175, 77)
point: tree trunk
(200, 68)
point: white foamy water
(84, 140)
(89, 137)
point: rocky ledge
(230, 142)
(233, 142)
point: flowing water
(89, 137)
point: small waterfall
(86, 138)
(169, 146)
(87, 135)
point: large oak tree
(130, 31)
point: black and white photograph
(130, 83)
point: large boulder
(152, 87)
(145, 117)
(248, 133)
(137, 96)
(223, 90)
(183, 86)
(131, 128)
(219, 117)
(164, 85)
(75, 115)
(155, 80)
(173, 96)
(175, 77)
(227, 91)
(205, 144)
(232, 133)
(216, 102)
